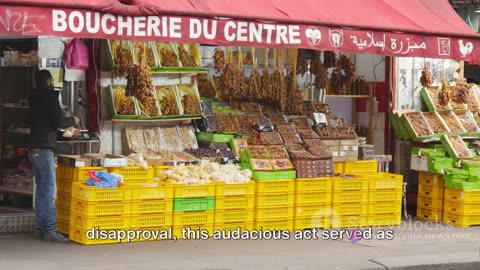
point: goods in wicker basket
(186, 57)
(417, 123)
(314, 143)
(285, 127)
(167, 100)
(295, 147)
(122, 58)
(259, 152)
(435, 123)
(427, 78)
(205, 174)
(307, 134)
(206, 87)
(328, 132)
(123, 105)
(219, 60)
(321, 152)
(291, 138)
(277, 151)
(282, 164)
(271, 138)
(451, 123)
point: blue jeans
(43, 164)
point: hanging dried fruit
(348, 69)
(254, 84)
(321, 77)
(329, 59)
(186, 57)
(219, 60)
(123, 59)
(205, 86)
(461, 94)
(295, 97)
(338, 85)
(444, 95)
(302, 65)
(427, 78)
(316, 62)
(266, 86)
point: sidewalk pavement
(417, 245)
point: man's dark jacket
(46, 116)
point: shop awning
(422, 28)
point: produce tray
(348, 209)
(277, 186)
(350, 196)
(212, 137)
(274, 199)
(134, 173)
(430, 203)
(434, 215)
(197, 191)
(461, 220)
(469, 196)
(223, 189)
(313, 197)
(462, 208)
(229, 227)
(152, 206)
(153, 193)
(411, 130)
(88, 193)
(285, 224)
(466, 119)
(397, 120)
(452, 151)
(349, 221)
(386, 181)
(234, 216)
(113, 111)
(429, 99)
(385, 195)
(151, 220)
(99, 209)
(303, 223)
(313, 184)
(451, 115)
(384, 219)
(192, 218)
(234, 202)
(193, 204)
(274, 212)
(103, 222)
(385, 207)
(357, 183)
(439, 126)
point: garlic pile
(205, 174)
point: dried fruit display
(321, 77)
(291, 138)
(219, 60)
(187, 137)
(254, 84)
(302, 64)
(122, 58)
(435, 123)
(261, 165)
(346, 133)
(148, 106)
(143, 49)
(330, 59)
(140, 85)
(462, 96)
(206, 87)
(266, 85)
(301, 122)
(451, 123)
(301, 155)
(307, 107)
(123, 105)
(170, 140)
(260, 152)
(271, 138)
(277, 151)
(277, 118)
(336, 121)
(348, 68)
(282, 164)
(186, 57)
(476, 116)
(164, 154)
(316, 62)
(189, 98)
(338, 82)
(227, 153)
(135, 140)
(251, 108)
(167, 100)
(204, 153)
(285, 127)
(295, 96)
(239, 145)
(152, 139)
(434, 95)
(322, 107)
(321, 152)
(328, 132)
(467, 122)
(294, 147)
(314, 143)
(427, 78)
(243, 126)
(444, 95)
(167, 55)
(307, 134)
(279, 90)
(229, 79)
(263, 122)
(418, 124)
(458, 147)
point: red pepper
(91, 175)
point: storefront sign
(43, 21)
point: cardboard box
(106, 160)
(419, 163)
(76, 161)
(349, 142)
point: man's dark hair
(42, 77)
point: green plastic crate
(411, 130)
(466, 185)
(457, 172)
(214, 137)
(193, 204)
(428, 101)
(278, 175)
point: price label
(320, 118)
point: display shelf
(18, 191)
(180, 72)
(80, 141)
(157, 120)
(348, 96)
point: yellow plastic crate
(432, 179)
(88, 208)
(313, 197)
(430, 203)
(64, 198)
(151, 220)
(62, 211)
(80, 236)
(134, 172)
(153, 193)
(386, 181)
(192, 218)
(339, 167)
(349, 221)
(243, 226)
(75, 174)
(385, 207)
(158, 169)
(273, 199)
(349, 209)
(90, 193)
(430, 191)
(461, 220)
(384, 219)
(311, 222)
(310, 210)
(462, 208)
(361, 167)
(274, 224)
(271, 212)
(313, 184)
(274, 186)
(234, 216)
(429, 214)
(350, 196)
(356, 183)
(152, 206)
(198, 229)
(224, 190)
(380, 195)
(462, 195)
(195, 191)
(235, 202)
(63, 225)
(63, 185)
(104, 222)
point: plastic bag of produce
(103, 179)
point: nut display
(301, 155)
(277, 118)
(294, 147)
(417, 123)
(135, 139)
(346, 133)
(300, 122)
(321, 107)
(167, 100)
(259, 152)
(291, 138)
(328, 132)
(336, 121)
(143, 50)
(451, 123)
(152, 139)
(307, 134)
(277, 151)
(435, 123)
(285, 127)
(314, 143)
(261, 165)
(271, 138)
(469, 126)
(187, 136)
(433, 93)
(321, 152)
(170, 138)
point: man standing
(46, 116)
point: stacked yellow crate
(313, 202)
(194, 213)
(462, 207)
(274, 204)
(430, 197)
(385, 199)
(234, 206)
(94, 209)
(349, 202)
(65, 177)
(134, 175)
